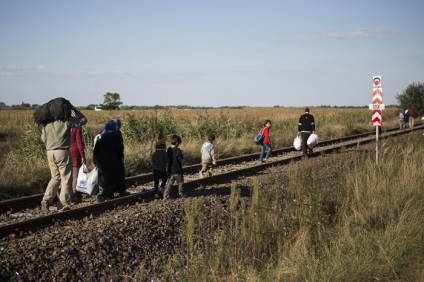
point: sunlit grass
(234, 128)
(335, 218)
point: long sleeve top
(306, 123)
(208, 151)
(55, 135)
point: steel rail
(13, 204)
(60, 217)
(34, 200)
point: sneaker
(45, 206)
(100, 199)
(160, 189)
(157, 196)
(67, 208)
(183, 195)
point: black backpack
(58, 108)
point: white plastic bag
(87, 181)
(312, 140)
(297, 143)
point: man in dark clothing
(175, 167)
(305, 128)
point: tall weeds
(20, 141)
(335, 218)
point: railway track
(22, 214)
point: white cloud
(357, 33)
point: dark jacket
(160, 160)
(175, 156)
(306, 123)
(108, 154)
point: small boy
(208, 156)
(175, 167)
(159, 160)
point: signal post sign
(376, 107)
(377, 101)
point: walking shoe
(183, 195)
(67, 208)
(157, 196)
(100, 199)
(45, 206)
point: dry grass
(335, 218)
(23, 158)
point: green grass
(24, 170)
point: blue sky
(209, 53)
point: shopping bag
(312, 140)
(297, 143)
(87, 181)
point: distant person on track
(266, 142)
(160, 161)
(401, 119)
(412, 115)
(76, 149)
(56, 136)
(108, 154)
(305, 128)
(175, 167)
(406, 118)
(208, 156)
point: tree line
(412, 95)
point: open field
(22, 154)
(336, 217)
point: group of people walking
(305, 127)
(65, 154)
(407, 118)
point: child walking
(208, 156)
(266, 143)
(175, 167)
(159, 161)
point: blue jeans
(268, 153)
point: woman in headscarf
(121, 189)
(108, 154)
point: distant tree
(412, 95)
(112, 101)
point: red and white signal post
(376, 107)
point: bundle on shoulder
(57, 108)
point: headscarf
(108, 129)
(117, 123)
